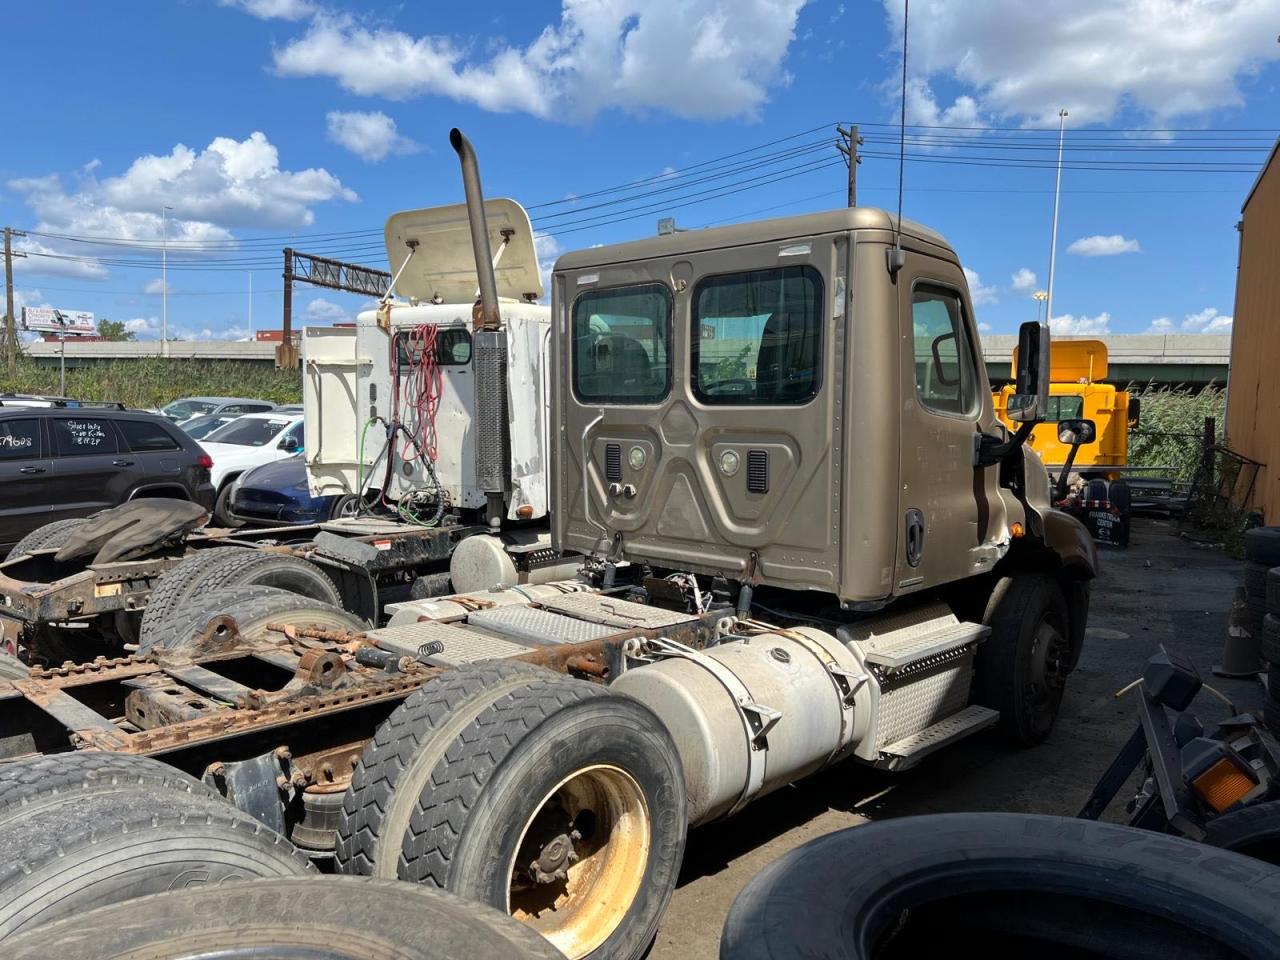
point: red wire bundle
(422, 388)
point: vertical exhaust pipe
(490, 318)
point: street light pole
(1040, 296)
(164, 282)
(1053, 243)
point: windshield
(186, 409)
(249, 431)
(203, 426)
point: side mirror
(1135, 411)
(290, 445)
(1030, 400)
(1077, 432)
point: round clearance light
(729, 463)
(636, 457)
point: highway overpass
(1192, 359)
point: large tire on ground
(1273, 591)
(1262, 545)
(35, 784)
(1255, 580)
(1013, 885)
(64, 859)
(11, 668)
(342, 918)
(1253, 831)
(561, 804)
(253, 608)
(48, 537)
(224, 567)
(1022, 667)
(1269, 645)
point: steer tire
(1262, 545)
(35, 784)
(1021, 668)
(397, 763)
(49, 536)
(1018, 885)
(343, 918)
(549, 759)
(11, 668)
(69, 858)
(252, 608)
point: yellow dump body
(1075, 368)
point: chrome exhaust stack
(490, 318)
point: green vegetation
(1169, 434)
(155, 381)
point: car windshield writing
(186, 409)
(248, 432)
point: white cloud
(229, 184)
(370, 136)
(156, 286)
(273, 9)
(923, 108)
(1067, 325)
(1024, 280)
(980, 292)
(1100, 246)
(1208, 320)
(321, 310)
(694, 58)
(1164, 58)
(144, 328)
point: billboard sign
(52, 320)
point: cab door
(949, 510)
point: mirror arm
(1061, 488)
(989, 450)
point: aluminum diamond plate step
(615, 611)
(458, 645)
(894, 650)
(909, 751)
(542, 627)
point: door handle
(31, 469)
(122, 463)
(915, 536)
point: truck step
(451, 645)
(540, 627)
(900, 649)
(909, 751)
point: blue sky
(261, 120)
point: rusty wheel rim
(581, 859)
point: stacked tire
(1262, 600)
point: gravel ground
(1163, 590)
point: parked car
(189, 407)
(59, 463)
(34, 400)
(203, 425)
(276, 493)
(248, 442)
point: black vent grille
(758, 471)
(613, 462)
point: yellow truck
(1076, 391)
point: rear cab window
(20, 439)
(1065, 406)
(758, 337)
(82, 436)
(622, 344)
(143, 436)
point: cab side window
(19, 439)
(82, 436)
(946, 378)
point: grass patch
(155, 381)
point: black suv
(71, 459)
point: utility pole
(1053, 243)
(286, 356)
(848, 145)
(10, 324)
